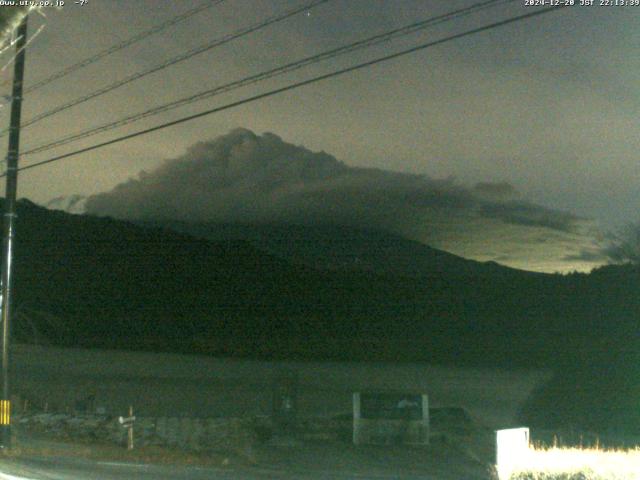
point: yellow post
(5, 412)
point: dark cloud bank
(244, 177)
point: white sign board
(127, 421)
(512, 447)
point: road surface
(63, 468)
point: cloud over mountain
(244, 177)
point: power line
(177, 59)
(296, 85)
(121, 45)
(287, 68)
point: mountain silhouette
(324, 292)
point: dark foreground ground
(62, 469)
(443, 460)
(459, 448)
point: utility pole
(8, 232)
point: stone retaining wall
(185, 433)
(194, 434)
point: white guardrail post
(127, 422)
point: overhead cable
(281, 70)
(177, 59)
(296, 85)
(122, 45)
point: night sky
(518, 145)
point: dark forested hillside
(101, 283)
(109, 283)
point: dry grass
(571, 463)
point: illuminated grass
(574, 463)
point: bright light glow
(6, 476)
(592, 463)
(512, 448)
(8, 37)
